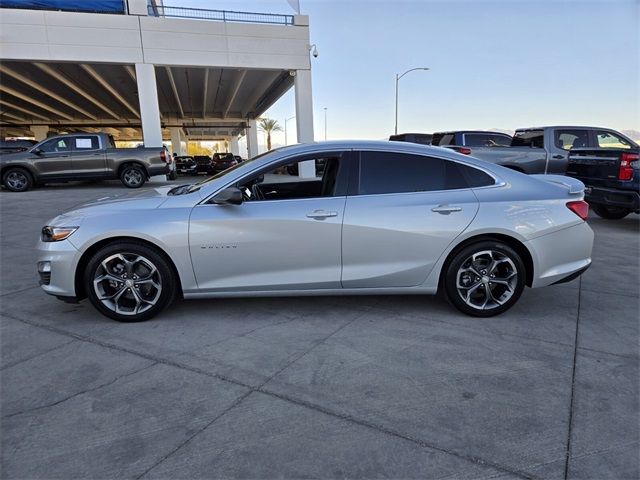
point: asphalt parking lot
(359, 387)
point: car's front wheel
(133, 176)
(129, 281)
(610, 213)
(17, 180)
(484, 279)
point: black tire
(610, 213)
(134, 306)
(459, 277)
(133, 176)
(17, 179)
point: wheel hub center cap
(129, 283)
(485, 280)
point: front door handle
(558, 157)
(321, 214)
(446, 209)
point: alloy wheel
(127, 283)
(133, 177)
(16, 180)
(486, 279)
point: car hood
(147, 199)
(6, 157)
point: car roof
(471, 131)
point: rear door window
(90, 142)
(390, 172)
(567, 139)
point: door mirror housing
(228, 196)
(38, 152)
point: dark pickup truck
(611, 177)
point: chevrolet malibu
(381, 218)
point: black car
(13, 146)
(186, 165)
(222, 161)
(204, 164)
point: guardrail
(220, 15)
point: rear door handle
(558, 157)
(446, 209)
(321, 214)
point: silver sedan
(332, 218)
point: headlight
(55, 234)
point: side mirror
(228, 196)
(38, 152)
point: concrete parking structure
(395, 387)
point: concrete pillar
(304, 118)
(39, 132)
(149, 108)
(176, 140)
(233, 145)
(252, 139)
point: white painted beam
(172, 82)
(234, 93)
(205, 91)
(149, 108)
(22, 109)
(33, 101)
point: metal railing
(220, 15)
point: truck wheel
(132, 176)
(17, 180)
(610, 213)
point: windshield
(197, 186)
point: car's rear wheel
(485, 279)
(17, 180)
(610, 213)
(133, 176)
(129, 281)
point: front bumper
(613, 197)
(561, 254)
(62, 258)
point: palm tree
(268, 126)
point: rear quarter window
(528, 138)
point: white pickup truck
(546, 149)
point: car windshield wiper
(180, 189)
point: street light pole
(325, 124)
(398, 77)
(285, 128)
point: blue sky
(494, 64)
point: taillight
(163, 156)
(464, 150)
(625, 172)
(580, 208)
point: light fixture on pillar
(314, 50)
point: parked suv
(82, 157)
(13, 146)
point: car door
(52, 159)
(402, 212)
(563, 140)
(88, 158)
(272, 244)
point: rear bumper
(561, 254)
(613, 197)
(159, 170)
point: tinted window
(90, 142)
(528, 138)
(611, 140)
(443, 139)
(486, 140)
(475, 178)
(56, 145)
(388, 172)
(568, 139)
